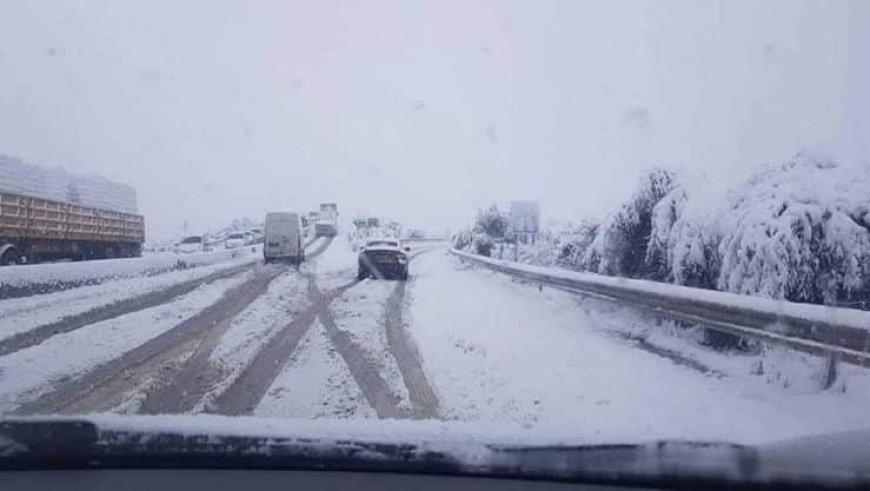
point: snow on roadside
(254, 328)
(360, 313)
(853, 318)
(315, 383)
(26, 374)
(19, 315)
(499, 351)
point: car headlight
(403, 259)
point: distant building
(525, 219)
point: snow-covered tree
(800, 232)
(664, 215)
(620, 246)
(492, 222)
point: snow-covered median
(17, 281)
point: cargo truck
(48, 214)
(327, 221)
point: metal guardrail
(837, 334)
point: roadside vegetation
(799, 231)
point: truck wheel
(10, 258)
(362, 274)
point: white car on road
(235, 239)
(190, 244)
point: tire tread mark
(123, 307)
(246, 392)
(424, 402)
(233, 301)
(364, 370)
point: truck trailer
(49, 214)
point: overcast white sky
(424, 111)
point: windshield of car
(601, 221)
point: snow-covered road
(454, 343)
(498, 351)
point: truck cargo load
(49, 214)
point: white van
(283, 238)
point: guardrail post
(829, 372)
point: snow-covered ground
(336, 266)
(360, 313)
(255, 327)
(316, 384)
(317, 381)
(496, 350)
(26, 374)
(23, 314)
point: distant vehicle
(256, 235)
(384, 259)
(327, 221)
(283, 239)
(236, 239)
(194, 243)
(49, 214)
(367, 222)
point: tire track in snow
(424, 402)
(246, 392)
(141, 302)
(182, 387)
(320, 249)
(96, 390)
(364, 370)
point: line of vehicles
(284, 232)
(379, 258)
(48, 214)
(283, 225)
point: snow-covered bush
(572, 244)
(693, 252)
(490, 226)
(482, 244)
(620, 246)
(800, 232)
(462, 239)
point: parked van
(283, 238)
